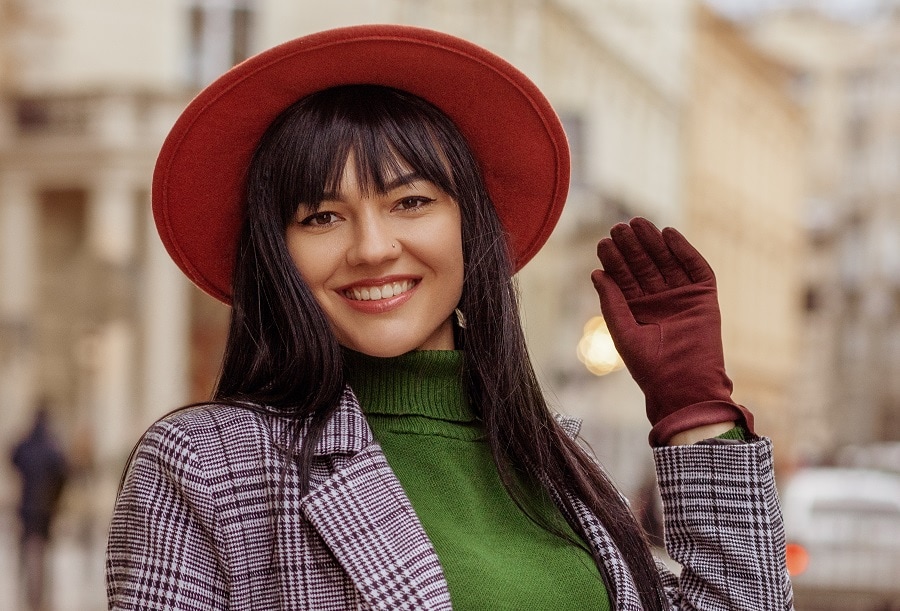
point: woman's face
(387, 268)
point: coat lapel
(359, 509)
(618, 578)
(368, 523)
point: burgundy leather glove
(658, 296)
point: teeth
(373, 293)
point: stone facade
(744, 141)
(847, 80)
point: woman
(362, 198)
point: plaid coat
(203, 522)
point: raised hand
(658, 296)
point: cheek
(455, 265)
(310, 259)
(299, 257)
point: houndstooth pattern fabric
(203, 523)
(723, 498)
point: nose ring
(393, 245)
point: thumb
(612, 303)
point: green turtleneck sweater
(492, 554)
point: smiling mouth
(385, 291)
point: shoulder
(203, 422)
(198, 416)
(209, 434)
(202, 456)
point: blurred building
(745, 186)
(619, 77)
(709, 139)
(848, 79)
(94, 316)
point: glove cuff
(699, 414)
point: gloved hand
(658, 296)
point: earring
(460, 319)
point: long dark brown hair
(280, 352)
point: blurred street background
(767, 131)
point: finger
(651, 238)
(691, 259)
(613, 304)
(639, 262)
(617, 269)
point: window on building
(63, 226)
(812, 299)
(220, 33)
(56, 115)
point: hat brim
(510, 126)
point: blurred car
(843, 532)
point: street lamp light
(596, 349)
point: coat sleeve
(723, 525)
(161, 552)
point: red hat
(510, 126)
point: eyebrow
(403, 179)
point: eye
(413, 202)
(320, 219)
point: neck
(422, 382)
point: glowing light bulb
(596, 349)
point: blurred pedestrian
(43, 471)
(362, 198)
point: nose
(373, 243)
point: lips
(385, 290)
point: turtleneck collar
(422, 383)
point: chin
(384, 351)
(398, 340)
(386, 354)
